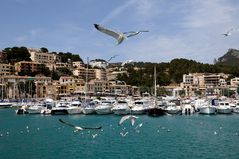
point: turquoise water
(196, 136)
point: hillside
(230, 58)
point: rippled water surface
(196, 136)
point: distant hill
(230, 58)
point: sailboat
(89, 108)
(154, 109)
(3, 103)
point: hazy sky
(189, 29)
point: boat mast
(155, 90)
(86, 79)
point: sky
(190, 29)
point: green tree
(43, 49)
(16, 54)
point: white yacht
(188, 109)
(36, 108)
(74, 107)
(139, 107)
(172, 108)
(105, 107)
(5, 104)
(207, 108)
(121, 108)
(61, 108)
(224, 108)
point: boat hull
(88, 111)
(207, 110)
(101, 110)
(156, 111)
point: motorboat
(5, 104)
(224, 108)
(188, 109)
(121, 108)
(36, 108)
(172, 108)
(105, 107)
(61, 108)
(139, 107)
(22, 110)
(74, 107)
(207, 109)
(89, 108)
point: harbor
(194, 136)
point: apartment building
(6, 69)
(81, 73)
(77, 64)
(28, 66)
(205, 83)
(100, 74)
(38, 56)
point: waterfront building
(203, 83)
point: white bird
(126, 117)
(78, 128)
(124, 134)
(119, 36)
(229, 32)
(215, 133)
(94, 135)
(112, 57)
(127, 62)
(138, 126)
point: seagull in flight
(112, 57)
(126, 62)
(78, 128)
(228, 33)
(126, 117)
(119, 36)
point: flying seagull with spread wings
(112, 57)
(126, 117)
(78, 128)
(119, 36)
(229, 32)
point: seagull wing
(135, 33)
(92, 127)
(133, 119)
(69, 124)
(126, 117)
(107, 31)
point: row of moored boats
(125, 106)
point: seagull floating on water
(78, 128)
(138, 126)
(119, 36)
(94, 135)
(124, 134)
(126, 117)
